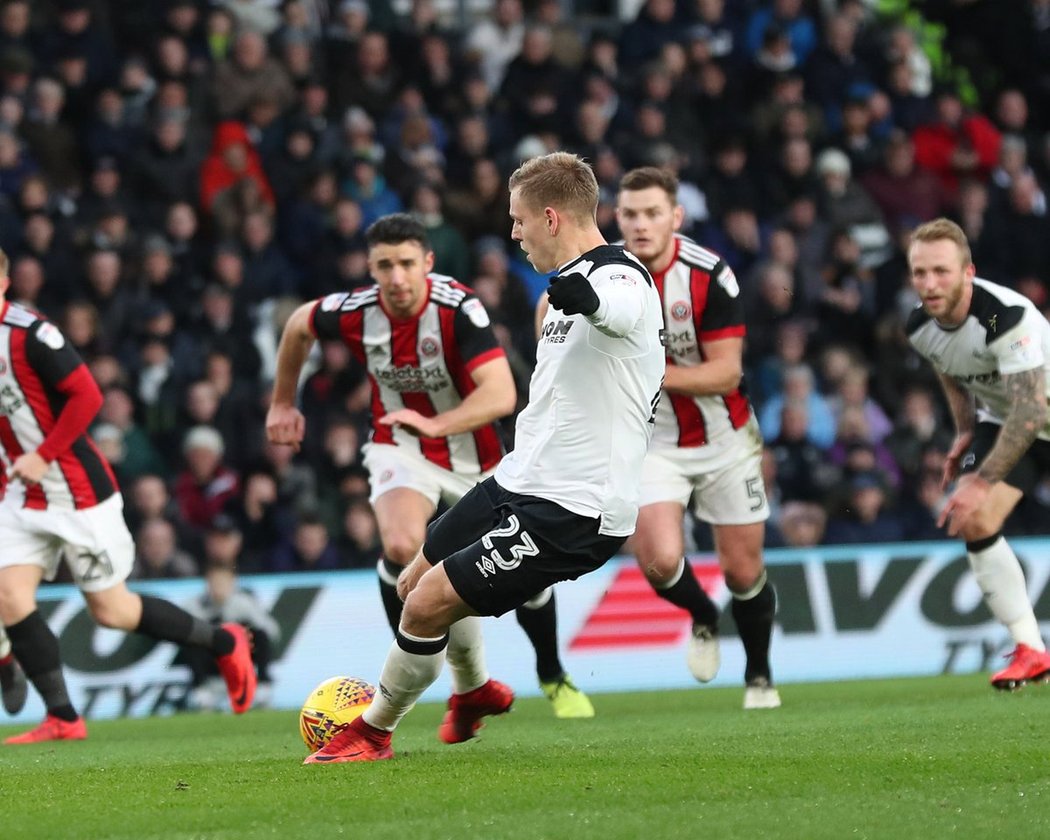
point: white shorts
(94, 541)
(390, 467)
(725, 490)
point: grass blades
(911, 758)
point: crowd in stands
(176, 175)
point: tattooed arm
(1027, 416)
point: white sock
(405, 676)
(466, 655)
(5, 644)
(1002, 581)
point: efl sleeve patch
(331, 303)
(727, 280)
(475, 310)
(50, 335)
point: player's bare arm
(1027, 416)
(284, 422)
(494, 397)
(961, 406)
(718, 374)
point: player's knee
(659, 568)
(980, 527)
(743, 578)
(423, 615)
(401, 550)
(14, 604)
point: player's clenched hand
(285, 425)
(573, 294)
(29, 467)
(970, 496)
(953, 460)
(412, 422)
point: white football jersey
(581, 440)
(1003, 333)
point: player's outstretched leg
(34, 643)
(539, 619)
(120, 608)
(13, 685)
(753, 612)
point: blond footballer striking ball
(330, 708)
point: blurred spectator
(224, 601)
(956, 144)
(906, 193)
(803, 474)
(232, 178)
(262, 522)
(248, 74)
(206, 485)
(140, 457)
(309, 550)
(866, 518)
(799, 390)
(157, 554)
(802, 524)
(492, 43)
(359, 541)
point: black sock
(541, 626)
(163, 620)
(388, 592)
(36, 648)
(754, 622)
(690, 596)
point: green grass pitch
(915, 758)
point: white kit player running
(439, 380)
(990, 347)
(563, 501)
(706, 449)
(59, 500)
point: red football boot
(52, 729)
(1026, 665)
(358, 742)
(465, 711)
(238, 669)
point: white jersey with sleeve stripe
(1003, 333)
(581, 440)
(701, 302)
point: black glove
(573, 294)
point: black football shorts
(500, 548)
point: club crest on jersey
(429, 348)
(680, 310)
(49, 334)
(476, 312)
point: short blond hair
(942, 228)
(5, 263)
(560, 180)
